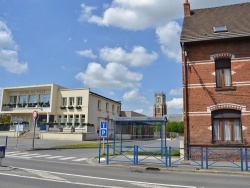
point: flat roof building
(58, 104)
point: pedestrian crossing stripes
(27, 155)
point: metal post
(134, 155)
(6, 142)
(107, 157)
(33, 142)
(241, 160)
(99, 160)
(206, 158)
(166, 156)
(170, 148)
(114, 138)
(246, 158)
(103, 145)
(17, 127)
(202, 158)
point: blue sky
(125, 50)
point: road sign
(35, 114)
(103, 133)
(2, 152)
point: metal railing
(222, 158)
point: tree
(5, 119)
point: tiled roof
(199, 26)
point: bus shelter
(123, 122)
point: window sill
(228, 88)
(227, 143)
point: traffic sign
(35, 114)
(103, 133)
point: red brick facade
(203, 97)
(216, 76)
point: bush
(174, 126)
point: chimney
(186, 8)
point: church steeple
(160, 107)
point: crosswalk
(27, 155)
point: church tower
(160, 107)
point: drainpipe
(186, 117)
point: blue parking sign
(103, 125)
(103, 129)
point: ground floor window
(227, 126)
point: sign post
(17, 120)
(35, 116)
(103, 132)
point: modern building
(216, 81)
(58, 105)
(160, 107)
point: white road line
(24, 153)
(12, 152)
(108, 179)
(81, 159)
(54, 157)
(14, 156)
(42, 156)
(67, 158)
(31, 155)
(59, 181)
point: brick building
(216, 75)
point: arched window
(226, 126)
(223, 73)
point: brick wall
(202, 86)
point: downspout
(186, 117)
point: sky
(126, 50)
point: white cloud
(169, 38)
(142, 14)
(86, 53)
(175, 106)
(134, 95)
(136, 58)
(109, 77)
(8, 52)
(86, 12)
(134, 15)
(176, 91)
(140, 111)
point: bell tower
(160, 107)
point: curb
(143, 168)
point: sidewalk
(179, 168)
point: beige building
(58, 105)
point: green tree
(175, 126)
(5, 119)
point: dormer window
(220, 29)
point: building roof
(199, 25)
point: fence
(233, 158)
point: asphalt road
(23, 173)
(24, 168)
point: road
(71, 168)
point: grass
(79, 146)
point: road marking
(54, 157)
(19, 153)
(81, 159)
(13, 156)
(108, 179)
(66, 158)
(42, 156)
(31, 155)
(59, 181)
